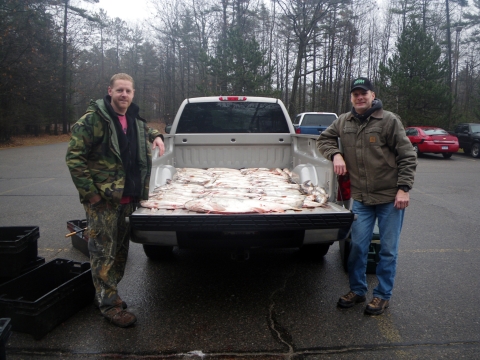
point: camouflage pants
(108, 246)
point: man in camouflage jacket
(110, 161)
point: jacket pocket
(374, 136)
(349, 137)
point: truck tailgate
(332, 216)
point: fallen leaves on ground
(46, 139)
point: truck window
(318, 119)
(232, 117)
(461, 128)
(475, 128)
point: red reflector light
(297, 131)
(232, 98)
(344, 192)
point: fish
(293, 201)
(224, 171)
(228, 183)
(282, 173)
(198, 179)
(311, 204)
(252, 170)
(306, 188)
(232, 191)
(274, 191)
(319, 199)
(236, 206)
(279, 186)
(186, 188)
(158, 204)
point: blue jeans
(390, 222)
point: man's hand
(339, 166)
(159, 143)
(402, 199)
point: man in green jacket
(109, 158)
(381, 163)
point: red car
(430, 139)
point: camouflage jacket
(93, 155)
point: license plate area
(246, 239)
(444, 147)
(234, 233)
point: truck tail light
(232, 98)
(344, 192)
(297, 131)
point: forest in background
(422, 55)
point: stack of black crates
(5, 332)
(18, 251)
(36, 296)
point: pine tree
(412, 83)
(243, 61)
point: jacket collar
(103, 105)
(376, 114)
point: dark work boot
(349, 300)
(376, 307)
(119, 317)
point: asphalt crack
(198, 354)
(278, 331)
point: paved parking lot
(276, 305)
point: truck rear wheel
(475, 150)
(373, 256)
(315, 251)
(158, 253)
(344, 246)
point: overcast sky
(128, 10)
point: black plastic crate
(26, 268)
(373, 257)
(18, 247)
(5, 332)
(80, 239)
(41, 299)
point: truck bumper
(233, 239)
(270, 230)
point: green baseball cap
(361, 83)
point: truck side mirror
(168, 128)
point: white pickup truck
(238, 133)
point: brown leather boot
(350, 299)
(119, 317)
(377, 306)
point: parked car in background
(430, 139)
(313, 122)
(468, 135)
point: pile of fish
(232, 191)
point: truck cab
(468, 135)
